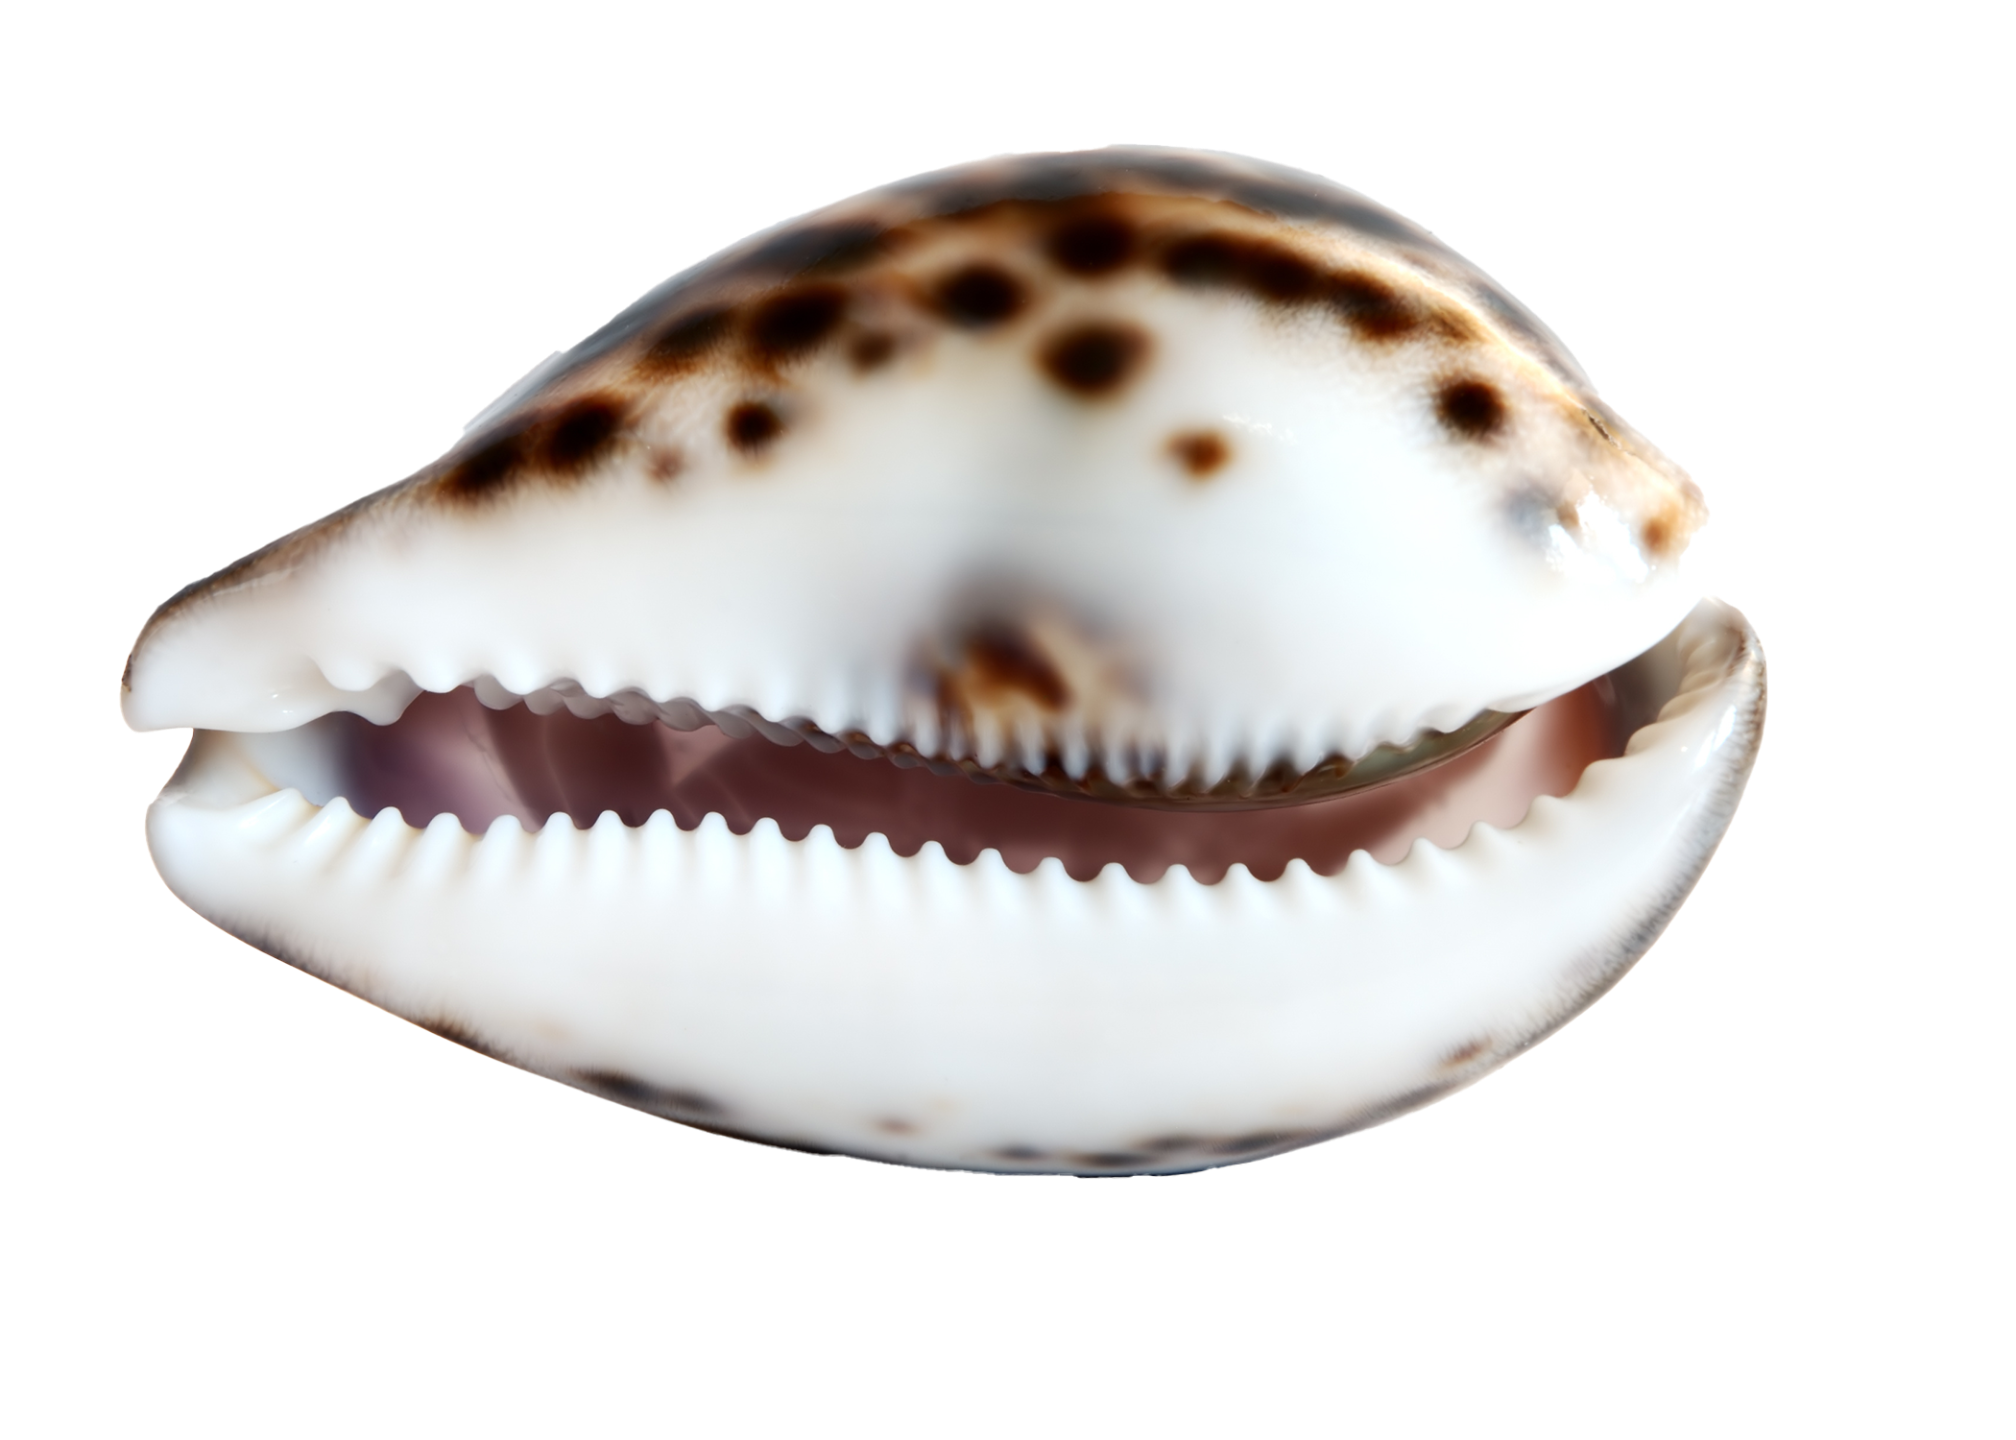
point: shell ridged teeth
(1228, 757)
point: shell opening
(478, 754)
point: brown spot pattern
(456, 1033)
(871, 351)
(581, 434)
(1247, 1144)
(787, 325)
(1373, 309)
(1092, 213)
(1159, 1151)
(1471, 408)
(487, 469)
(1261, 267)
(1090, 360)
(1108, 1159)
(563, 445)
(686, 341)
(1094, 359)
(1202, 453)
(977, 297)
(1277, 273)
(642, 1095)
(752, 425)
(1091, 245)
(1202, 260)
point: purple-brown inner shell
(449, 754)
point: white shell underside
(919, 1011)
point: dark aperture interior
(450, 754)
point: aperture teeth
(1204, 767)
(493, 694)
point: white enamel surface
(1352, 575)
(918, 1010)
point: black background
(315, 289)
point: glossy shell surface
(1201, 488)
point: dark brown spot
(1601, 428)
(788, 325)
(682, 344)
(1021, 1154)
(667, 463)
(978, 296)
(1108, 1160)
(1200, 452)
(580, 434)
(871, 351)
(1657, 533)
(1002, 657)
(1465, 1053)
(753, 425)
(615, 1084)
(488, 468)
(1247, 1144)
(1278, 273)
(1271, 271)
(1091, 245)
(1094, 359)
(643, 1095)
(1372, 308)
(1202, 260)
(457, 1033)
(1472, 408)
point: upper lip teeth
(1072, 766)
